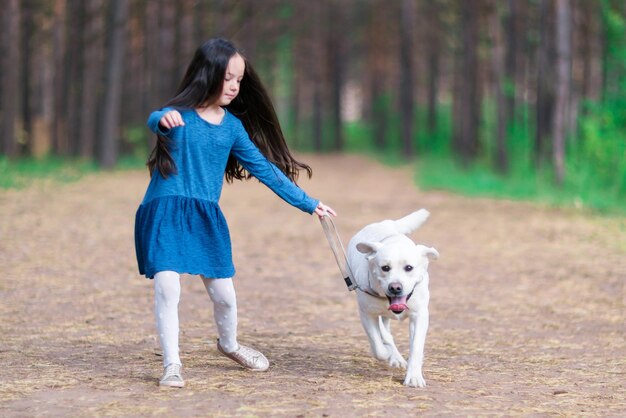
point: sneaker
(172, 377)
(247, 357)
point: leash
(332, 235)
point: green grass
(131, 162)
(479, 180)
(17, 174)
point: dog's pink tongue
(398, 304)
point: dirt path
(527, 307)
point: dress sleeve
(153, 122)
(255, 162)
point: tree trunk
(59, 131)
(467, 112)
(379, 113)
(604, 41)
(249, 31)
(336, 60)
(545, 85)
(563, 79)
(221, 17)
(586, 39)
(433, 47)
(152, 56)
(294, 111)
(185, 44)
(92, 75)
(167, 75)
(499, 81)
(508, 81)
(525, 61)
(407, 104)
(316, 60)
(72, 111)
(317, 117)
(376, 63)
(27, 72)
(134, 108)
(10, 76)
(110, 126)
(457, 94)
(201, 21)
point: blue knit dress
(179, 225)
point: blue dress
(179, 225)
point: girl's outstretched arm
(249, 156)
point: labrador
(392, 276)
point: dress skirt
(185, 235)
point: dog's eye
(385, 268)
(408, 268)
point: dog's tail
(411, 222)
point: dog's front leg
(372, 329)
(418, 326)
(395, 358)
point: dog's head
(396, 266)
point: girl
(221, 123)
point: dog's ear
(428, 251)
(368, 248)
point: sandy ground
(527, 306)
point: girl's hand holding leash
(321, 210)
(171, 120)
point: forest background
(522, 99)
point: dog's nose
(395, 288)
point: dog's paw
(397, 361)
(415, 381)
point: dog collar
(370, 292)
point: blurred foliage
(595, 157)
(596, 161)
(136, 139)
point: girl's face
(232, 80)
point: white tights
(166, 298)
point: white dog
(392, 274)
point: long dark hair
(202, 85)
